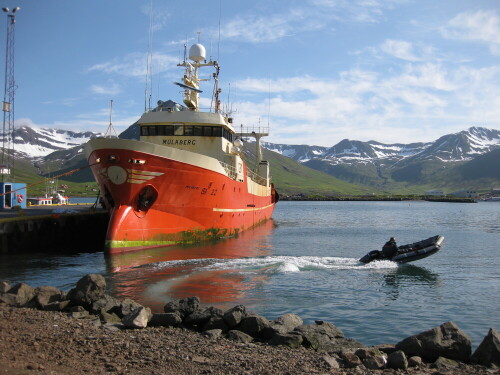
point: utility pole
(7, 162)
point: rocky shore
(85, 331)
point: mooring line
(51, 178)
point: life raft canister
(20, 198)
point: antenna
(111, 129)
(218, 40)
(149, 62)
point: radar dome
(197, 52)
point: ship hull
(162, 196)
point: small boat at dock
(410, 252)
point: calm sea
(305, 261)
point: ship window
(160, 129)
(152, 130)
(188, 130)
(207, 131)
(144, 130)
(169, 130)
(216, 131)
(197, 130)
(178, 129)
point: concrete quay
(53, 229)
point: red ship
(185, 180)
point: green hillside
(290, 177)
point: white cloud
(366, 105)
(481, 26)
(134, 64)
(109, 89)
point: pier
(53, 229)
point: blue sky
(318, 71)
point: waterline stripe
(242, 209)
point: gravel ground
(41, 342)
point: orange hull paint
(189, 203)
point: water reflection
(153, 277)
(407, 276)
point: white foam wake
(279, 264)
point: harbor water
(305, 261)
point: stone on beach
(49, 297)
(165, 320)
(234, 316)
(488, 352)
(21, 294)
(238, 336)
(292, 340)
(138, 318)
(201, 316)
(447, 341)
(253, 325)
(89, 289)
(185, 306)
(397, 360)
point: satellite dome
(197, 52)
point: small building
(495, 191)
(435, 193)
(12, 194)
(470, 193)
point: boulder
(350, 359)
(216, 323)
(23, 295)
(165, 320)
(414, 361)
(138, 318)
(331, 362)
(200, 317)
(106, 317)
(375, 362)
(284, 324)
(78, 312)
(48, 295)
(126, 307)
(184, 307)
(488, 352)
(89, 289)
(324, 336)
(397, 360)
(4, 286)
(234, 316)
(107, 303)
(447, 341)
(253, 325)
(291, 340)
(444, 364)
(238, 336)
(213, 333)
(364, 353)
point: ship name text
(180, 142)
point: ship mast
(191, 80)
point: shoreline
(79, 341)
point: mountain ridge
(369, 165)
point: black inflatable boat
(410, 252)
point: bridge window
(186, 130)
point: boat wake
(278, 264)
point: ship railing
(256, 178)
(248, 131)
(230, 170)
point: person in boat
(390, 248)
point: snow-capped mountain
(31, 142)
(461, 146)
